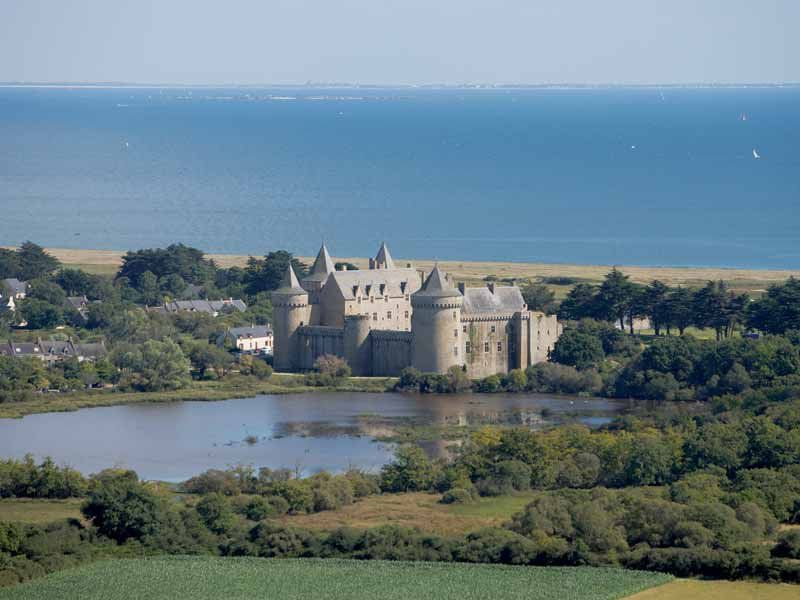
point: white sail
(756, 154)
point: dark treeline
(714, 306)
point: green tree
(615, 296)
(411, 471)
(153, 366)
(778, 311)
(539, 297)
(40, 314)
(656, 302)
(266, 275)
(216, 513)
(580, 303)
(578, 349)
(678, 309)
(122, 508)
(34, 262)
(149, 289)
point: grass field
(416, 510)
(28, 510)
(691, 589)
(250, 578)
(752, 280)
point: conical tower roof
(437, 286)
(289, 284)
(323, 266)
(383, 260)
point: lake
(308, 432)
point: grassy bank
(752, 280)
(245, 578)
(34, 510)
(229, 388)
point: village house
(53, 351)
(252, 339)
(211, 307)
(11, 291)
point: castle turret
(436, 343)
(314, 282)
(290, 311)
(382, 260)
(357, 350)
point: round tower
(436, 343)
(290, 311)
(357, 351)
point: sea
(631, 176)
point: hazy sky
(400, 41)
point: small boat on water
(756, 154)
(743, 117)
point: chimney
(462, 287)
(490, 285)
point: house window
(388, 314)
(494, 329)
(486, 346)
(499, 346)
(469, 348)
(374, 316)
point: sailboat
(756, 154)
(743, 117)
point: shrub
(457, 496)
(788, 545)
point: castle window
(485, 346)
(469, 348)
(455, 316)
(374, 316)
(494, 329)
(499, 346)
(406, 314)
(359, 299)
(386, 298)
(389, 314)
(455, 332)
(406, 297)
(372, 299)
(464, 329)
(455, 350)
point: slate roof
(384, 258)
(437, 286)
(289, 285)
(48, 348)
(206, 306)
(16, 286)
(506, 299)
(323, 266)
(377, 282)
(253, 331)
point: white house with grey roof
(255, 338)
(386, 318)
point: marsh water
(307, 432)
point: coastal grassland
(751, 280)
(227, 389)
(416, 509)
(692, 589)
(288, 579)
(33, 510)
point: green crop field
(245, 578)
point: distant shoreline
(757, 280)
(399, 86)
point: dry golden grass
(106, 261)
(27, 510)
(419, 510)
(690, 589)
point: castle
(386, 318)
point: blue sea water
(600, 176)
